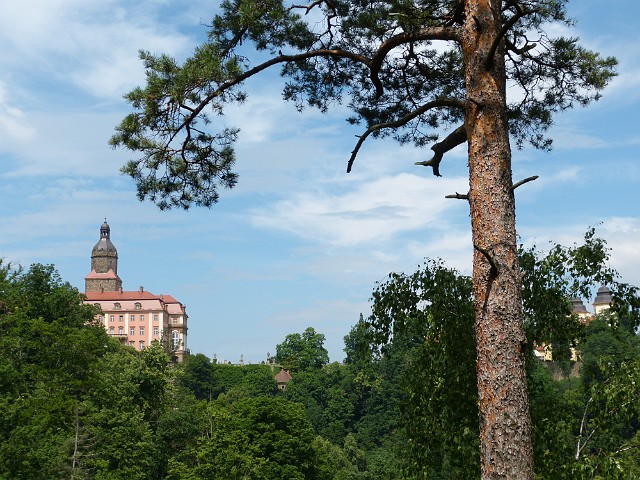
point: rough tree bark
(505, 424)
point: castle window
(174, 320)
(112, 318)
(175, 340)
(120, 331)
(101, 318)
(116, 306)
(141, 330)
(121, 318)
(155, 331)
(138, 306)
(133, 318)
(132, 331)
(142, 318)
(132, 343)
(112, 331)
(141, 344)
(155, 317)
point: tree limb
(227, 84)
(400, 122)
(520, 51)
(523, 181)
(429, 33)
(520, 12)
(455, 138)
(465, 196)
(308, 7)
(458, 196)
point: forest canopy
(402, 405)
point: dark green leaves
(302, 351)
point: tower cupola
(104, 247)
(104, 264)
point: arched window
(116, 306)
(138, 306)
(175, 340)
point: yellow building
(601, 303)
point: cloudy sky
(298, 243)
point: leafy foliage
(426, 320)
(74, 403)
(302, 351)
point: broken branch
(455, 138)
(401, 122)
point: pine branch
(401, 122)
(455, 138)
(429, 33)
(520, 12)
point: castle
(137, 318)
(601, 303)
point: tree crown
(399, 65)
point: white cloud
(91, 44)
(569, 138)
(13, 121)
(369, 213)
(622, 235)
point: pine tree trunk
(505, 425)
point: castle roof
(283, 376)
(578, 306)
(93, 275)
(603, 297)
(104, 245)
(128, 299)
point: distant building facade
(137, 318)
(282, 378)
(601, 303)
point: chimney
(141, 289)
(120, 290)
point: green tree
(127, 399)
(429, 318)
(329, 398)
(426, 319)
(302, 351)
(48, 348)
(382, 56)
(198, 375)
(259, 438)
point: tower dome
(104, 245)
(104, 264)
(578, 306)
(603, 299)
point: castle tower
(104, 265)
(603, 300)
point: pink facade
(136, 318)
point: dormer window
(138, 306)
(116, 306)
(97, 305)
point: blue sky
(298, 243)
